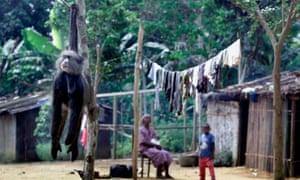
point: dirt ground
(65, 171)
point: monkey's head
(70, 62)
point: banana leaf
(34, 41)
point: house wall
(223, 117)
(103, 143)
(7, 138)
(259, 152)
(26, 141)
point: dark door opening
(244, 110)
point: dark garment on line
(202, 81)
(172, 90)
(177, 100)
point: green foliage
(42, 130)
(172, 139)
(223, 159)
(25, 73)
(44, 153)
(7, 157)
(28, 67)
(17, 15)
(42, 133)
(124, 148)
(36, 42)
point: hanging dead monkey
(71, 93)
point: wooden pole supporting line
(185, 129)
(114, 152)
(99, 50)
(135, 100)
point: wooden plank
(135, 100)
(292, 142)
(143, 91)
(8, 138)
(131, 127)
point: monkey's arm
(59, 115)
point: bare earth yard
(65, 171)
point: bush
(223, 159)
(43, 151)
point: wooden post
(292, 145)
(135, 100)
(199, 115)
(99, 51)
(184, 130)
(115, 128)
(152, 112)
(194, 137)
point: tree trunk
(277, 114)
(93, 110)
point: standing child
(206, 154)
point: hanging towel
(153, 72)
(195, 77)
(84, 137)
(158, 85)
(233, 55)
(221, 57)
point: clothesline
(117, 58)
(178, 85)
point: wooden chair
(142, 156)
(142, 164)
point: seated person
(148, 146)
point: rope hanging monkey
(71, 93)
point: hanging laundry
(165, 81)
(177, 101)
(195, 76)
(177, 86)
(210, 70)
(146, 65)
(197, 102)
(187, 87)
(159, 78)
(172, 90)
(221, 57)
(233, 55)
(202, 80)
(153, 72)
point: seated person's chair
(142, 164)
(143, 157)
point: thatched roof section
(16, 105)
(290, 85)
